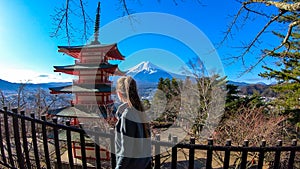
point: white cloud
(24, 75)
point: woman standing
(132, 140)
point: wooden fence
(20, 135)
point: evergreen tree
(288, 72)
(146, 104)
(232, 91)
(160, 84)
(166, 100)
(232, 100)
(175, 87)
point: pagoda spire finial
(97, 26)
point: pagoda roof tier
(111, 50)
(81, 66)
(89, 69)
(83, 88)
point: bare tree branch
(230, 27)
(59, 25)
(84, 20)
(256, 12)
(125, 6)
(285, 41)
(280, 5)
(288, 34)
(279, 17)
(63, 18)
(258, 35)
(66, 21)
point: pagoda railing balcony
(92, 102)
(92, 81)
(93, 61)
(88, 61)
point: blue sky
(28, 53)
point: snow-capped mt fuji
(147, 72)
(145, 66)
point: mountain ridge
(145, 73)
(11, 86)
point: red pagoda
(93, 89)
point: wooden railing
(21, 134)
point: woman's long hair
(127, 87)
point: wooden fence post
(19, 153)
(261, 155)
(292, 155)
(244, 155)
(209, 153)
(2, 146)
(69, 145)
(157, 152)
(97, 148)
(174, 153)
(45, 142)
(7, 134)
(82, 146)
(34, 142)
(227, 154)
(56, 144)
(112, 148)
(25, 142)
(276, 164)
(192, 153)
